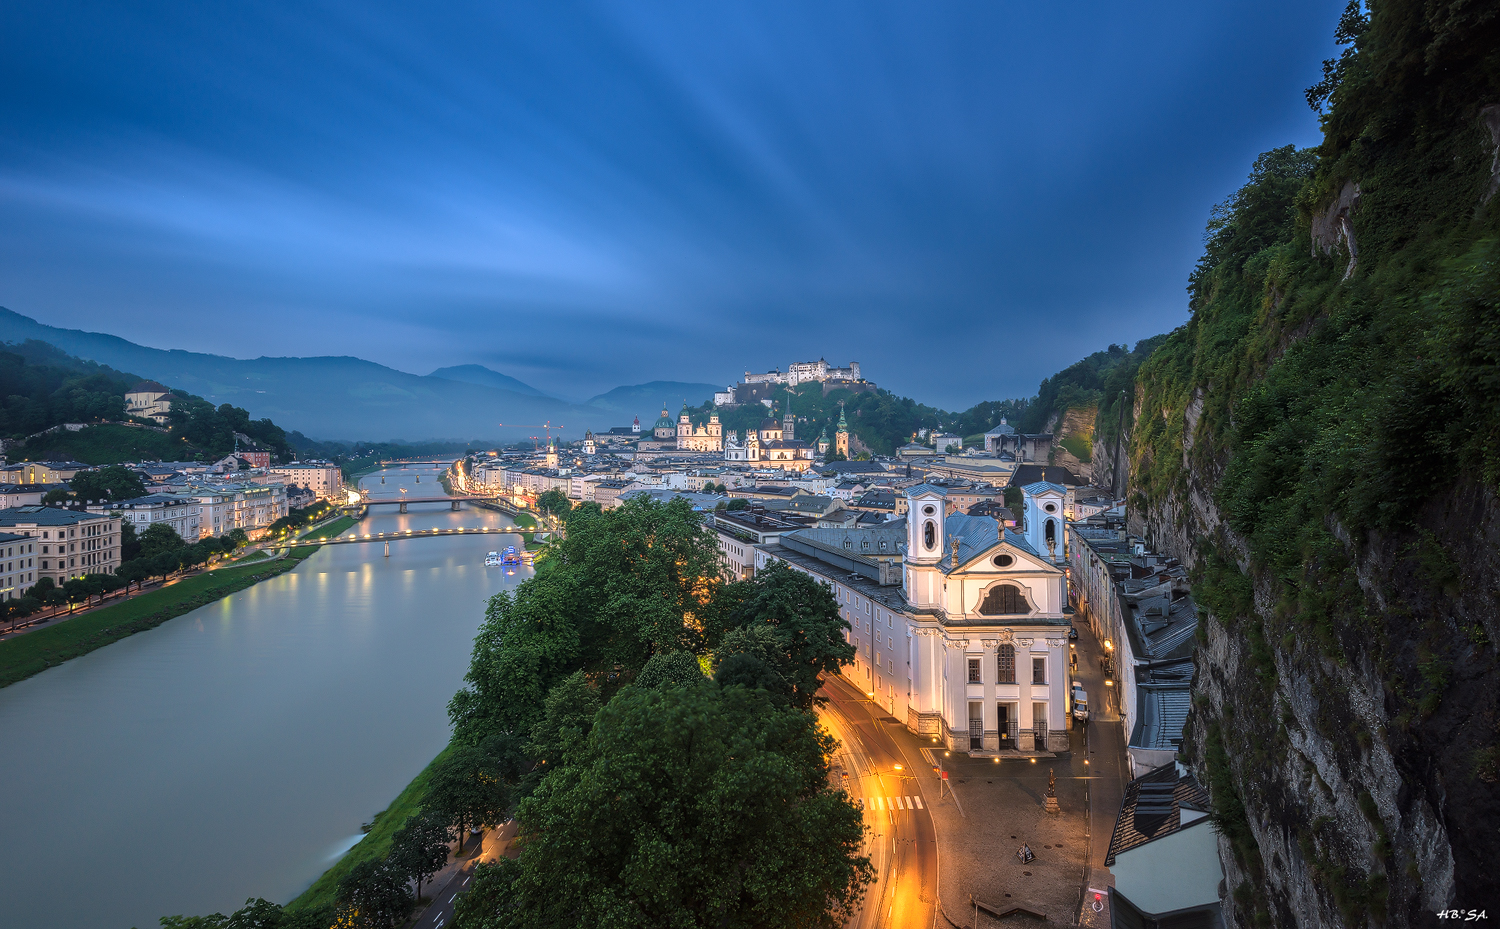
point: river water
(233, 752)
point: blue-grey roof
(1002, 429)
(926, 489)
(1041, 487)
(974, 535)
(1162, 714)
(43, 516)
(150, 500)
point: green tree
(372, 896)
(468, 790)
(56, 496)
(159, 539)
(738, 503)
(130, 543)
(676, 668)
(255, 914)
(419, 849)
(110, 483)
(554, 503)
(692, 806)
(567, 718)
(805, 618)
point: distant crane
(547, 426)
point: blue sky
(964, 197)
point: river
(234, 751)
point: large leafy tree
(624, 585)
(419, 849)
(111, 483)
(805, 619)
(468, 789)
(159, 539)
(690, 806)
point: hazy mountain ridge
(640, 399)
(486, 377)
(329, 397)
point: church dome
(769, 424)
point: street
(454, 879)
(901, 842)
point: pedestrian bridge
(398, 535)
(403, 501)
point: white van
(1080, 702)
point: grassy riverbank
(329, 530)
(23, 656)
(374, 845)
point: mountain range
(345, 398)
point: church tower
(926, 517)
(823, 442)
(635, 427)
(589, 446)
(684, 429)
(788, 426)
(752, 445)
(1042, 508)
(715, 433)
(841, 437)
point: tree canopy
(689, 806)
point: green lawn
(374, 845)
(329, 530)
(37, 651)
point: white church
(960, 625)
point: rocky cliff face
(1321, 443)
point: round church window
(1050, 508)
(928, 510)
(1003, 561)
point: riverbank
(37, 651)
(23, 656)
(375, 844)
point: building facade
(960, 625)
(149, 400)
(17, 564)
(709, 438)
(68, 543)
(323, 478)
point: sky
(964, 197)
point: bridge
(396, 536)
(404, 500)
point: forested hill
(44, 387)
(1321, 443)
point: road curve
(901, 841)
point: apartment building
(182, 513)
(17, 564)
(68, 543)
(323, 478)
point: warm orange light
(898, 767)
(1108, 645)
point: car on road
(1072, 633)
(1080, 703)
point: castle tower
(841, 436)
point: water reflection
(231, 751)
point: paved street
(901, 842)
(454, 879)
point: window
(1004, 600)
(929, 534)
(1005, 663)
(1038, 670)
(1003, 561)
(974, 677)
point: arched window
(1004, 600)
(929, 534)
(1051, 532)
(1005, 663)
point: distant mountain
(645, 400)
(479, 374)
(325, 397)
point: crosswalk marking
(917, 801)
(895, 803)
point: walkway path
(455, 876)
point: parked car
(1080, 703)
(1072, 633)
